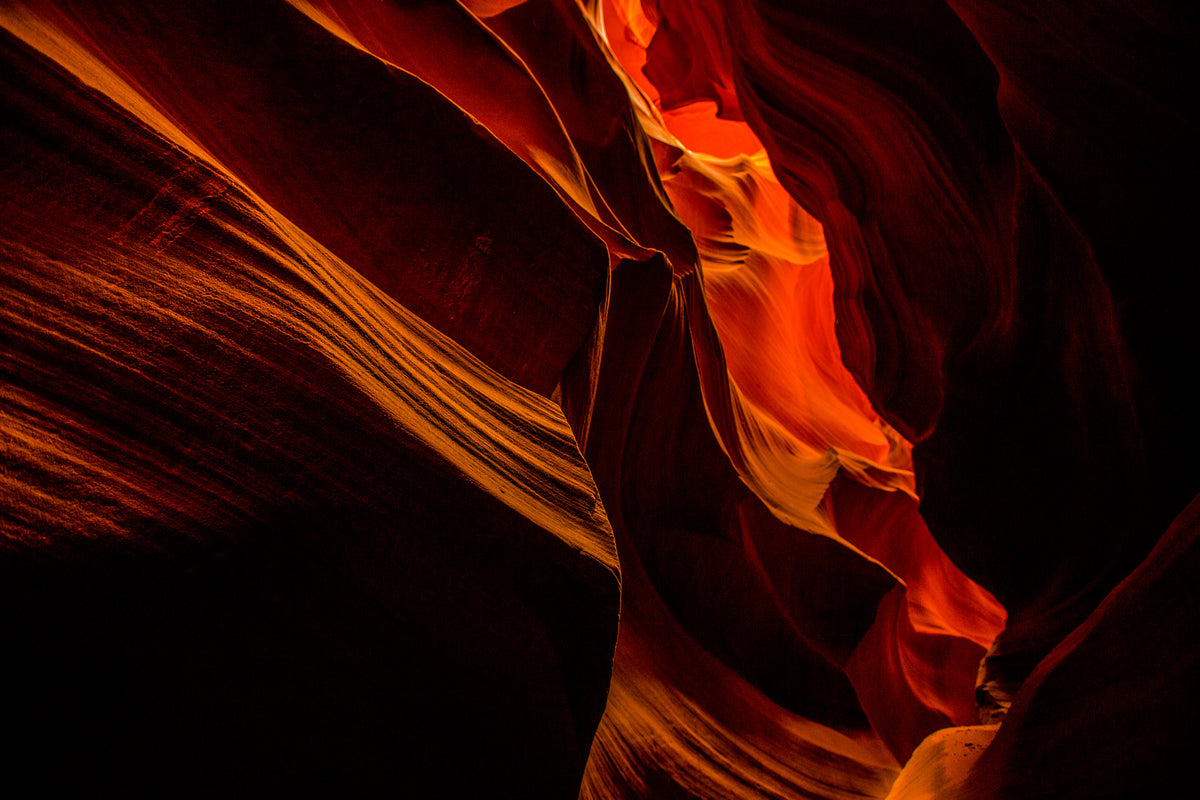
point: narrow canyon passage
(598, 398)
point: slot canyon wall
(599, 398)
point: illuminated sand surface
(606, 399)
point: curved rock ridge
(315, 100)
(455, 53)
(739, 677)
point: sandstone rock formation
(603, 399)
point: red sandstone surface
(599, 398)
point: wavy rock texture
(607, 399)
(262, 523)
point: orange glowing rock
(790, 417)
(977, 279)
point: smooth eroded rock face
(606, 399)
(262, 523)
